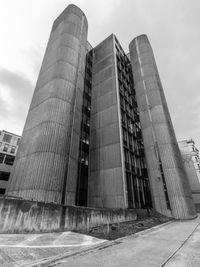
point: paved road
(174, 245)
(189, 254)
(24, 249)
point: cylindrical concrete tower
(45, 168)
(170, 188)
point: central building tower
(118, 176)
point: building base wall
(22, 216)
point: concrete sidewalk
(25, 249)
(172, 245)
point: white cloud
(172, 27)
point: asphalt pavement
(176, 244)
(27, 249)
(173, 244)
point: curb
(102, 245)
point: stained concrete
(19, 216)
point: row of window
(132, 160)
(81, 192)
(123, 76)
(128, 138)
(87, 103)
(120, 53)
(124, 86)
(6, 159)
(7, 138)
(129, 116)
(136, 172)
(8, 148)
(128, 103)
(138, 192)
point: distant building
(8, 149)
(190, 155)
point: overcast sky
(173, 28)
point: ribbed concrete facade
(170, 189)
(82, 142)
(46, 164)
(106, 186)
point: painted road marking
(87, 243)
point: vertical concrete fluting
(106, 184)
(170, 188)
(45, 168)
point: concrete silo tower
(170, 189)
(45, 168)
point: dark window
(9, 160)
(86, 119)
(126, 155)
(86, 103)
(13, 150)
(85, 137)
(4, 176)
(7, 138)
(123, 118)
(2, 157)
(2, 191)
(5, 148)
(84, 158)
(18, 140)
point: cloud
(15, 95)
(172, 28)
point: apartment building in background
(98, 131)
(190, 155)
(9, 143)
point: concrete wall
(161, 148)
(105, 185)
(19, 216)
(45, 168)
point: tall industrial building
(82, 142)
(171, 193)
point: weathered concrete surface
(46, 164)
(106, 186)
(25, 249)
(171, 194)
(19, 216)
(151, 248)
